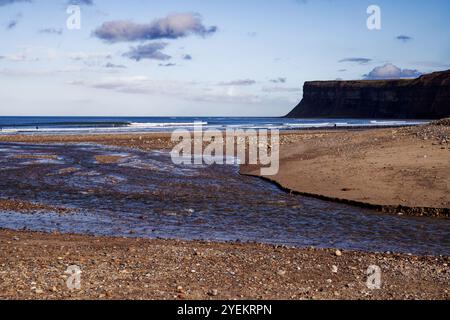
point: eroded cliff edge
(427, 97)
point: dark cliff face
(427, 97)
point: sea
(76, 125)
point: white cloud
(390, 71)
(193, 91)
(174, 26)
(281, 89)
(89, 56)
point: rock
(427, 97)
(281, 272)
(338, 253)
(334, 269)
(214, 293)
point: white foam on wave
(314, 125)
(130, 127)
(387, 123)
(165, 124)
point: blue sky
(205, 58)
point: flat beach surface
(406, 167)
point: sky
(205, 57)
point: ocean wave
(312, 125)
(70, 124)
(165, 124)
(387, 123)
(94, 127)
(113, 126)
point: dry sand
(403, 170)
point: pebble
(334, 269)
(214, 293)
(281, 272)
(338, 253)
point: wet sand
(144, 141)
(33, 265)
(29, 207)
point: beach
(393, 171)
(33, 266)
(213, 154)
